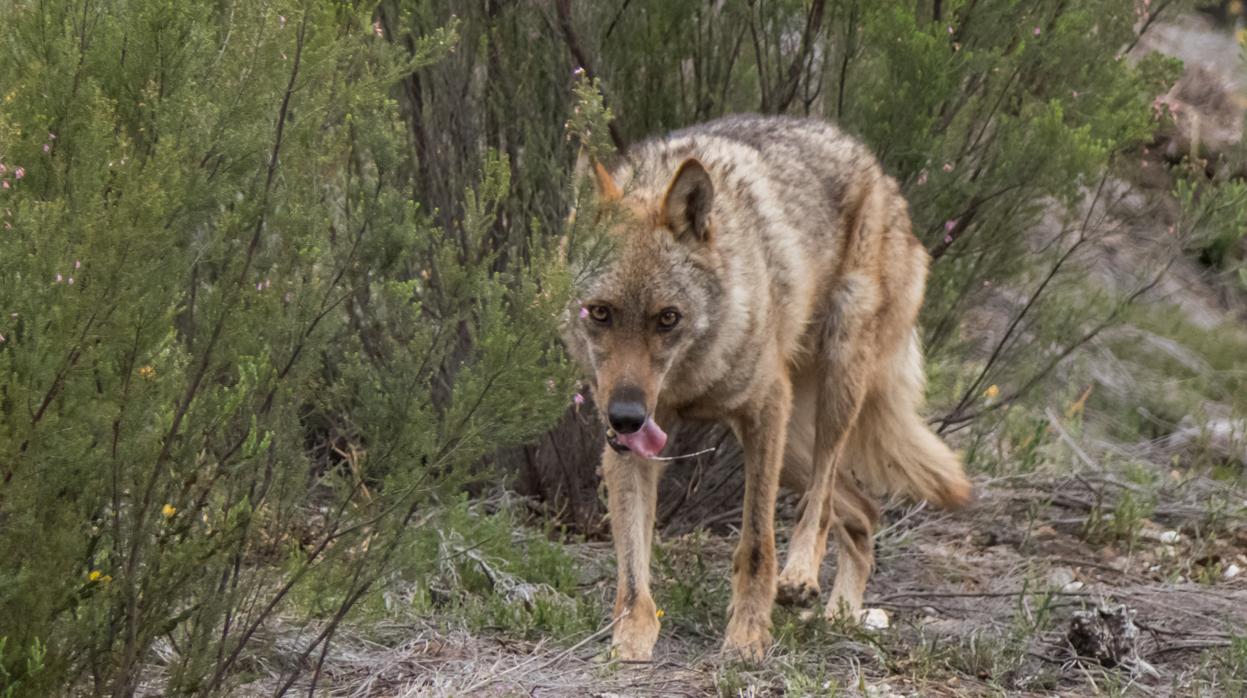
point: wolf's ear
(690, 196)
(605, 184)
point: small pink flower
(4, 184)
(281, 19)
(376, 28)
(950, 29)
(948, 239)
(579, 71)
(51, 136)
(948, 167)
(576, 397)
(584, 312)
(922, 178)
(1, 339)
(259, 286)
(1037, 31)
(77, 264)
(3, 168)
(1075, 93)
(71, 281)
(47, 148)
(59, 278)
(950, 225)
(19, 173)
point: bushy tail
(892, 449)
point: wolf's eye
(600, 313)
(668, 318)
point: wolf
(761, 272)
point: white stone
(875, 619)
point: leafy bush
(237, 359)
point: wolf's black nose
(626, 416)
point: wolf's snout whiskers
(686, 455)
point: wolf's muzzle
(612, 440)
(625, 411)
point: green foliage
(238, 361)
(1217, 215)
(1119, 521)
(1224, 670)
(493, 574)
(1179, 367)
(693, 594)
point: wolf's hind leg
(844, 366)
(854, 528)
(631, 498)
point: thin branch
(972, 390)
(564, 8)
(1147, 24)
(788, 90)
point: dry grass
(980, 602)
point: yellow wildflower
(991, 392)
(659, 613)
(168, 510)
(147, 372)
(95, 575)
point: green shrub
(238, 361)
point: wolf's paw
(797, 593)
(634, 638)
(747, 640)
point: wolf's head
(646, 309)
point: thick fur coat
(763, 273)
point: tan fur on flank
(785, 256)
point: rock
(1226, 438)
(1059, 577)
(875, 619)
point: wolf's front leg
(762, 431)
(631, 497)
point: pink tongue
(645, 442)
